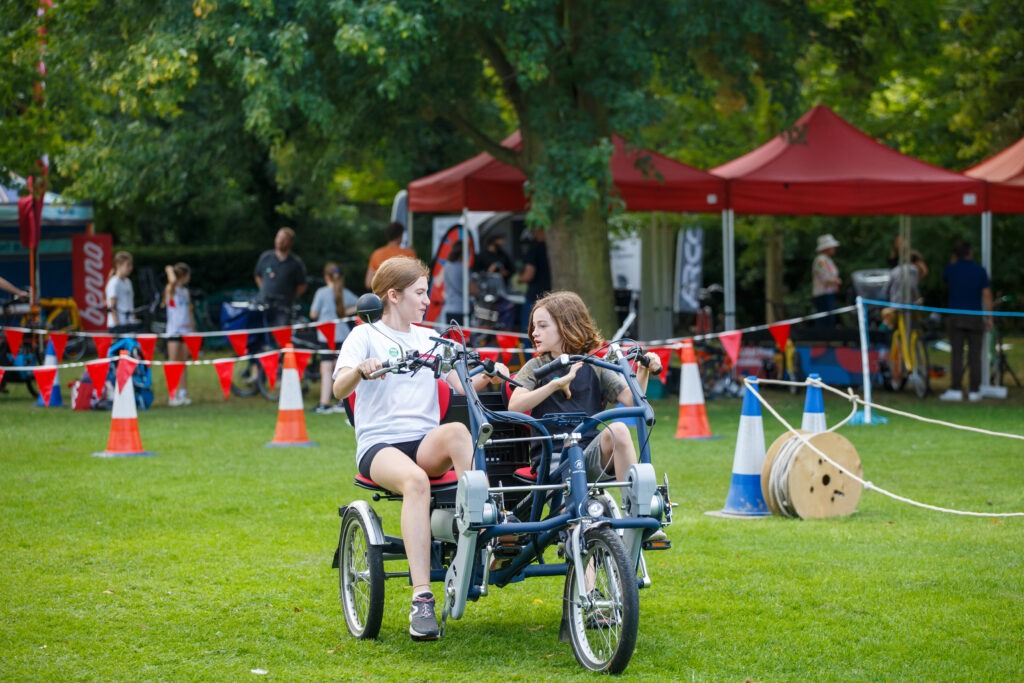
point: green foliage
(216, 122)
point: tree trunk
(580, 260)
(774, 294)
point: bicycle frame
(566, 486)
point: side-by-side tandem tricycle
(525, 510)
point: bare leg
(446, 446)
(326, 385)
(617, 447)
(395, 471)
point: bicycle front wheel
(246, 379)
(603, 624)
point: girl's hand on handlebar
(499, 374)
(651, 362)
(563, 382)
(367, 367)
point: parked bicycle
(908, 356)
(26, 355)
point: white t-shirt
(179, 320)
(323, 305)
(121, 290)
(402, 407)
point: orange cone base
(124, 440)
(693, 423)
(291, 430)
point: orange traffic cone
(291, 421)
(693, 416)
(125, 440)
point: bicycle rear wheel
(361, 578)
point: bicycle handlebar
(565, 360)
(439, 362)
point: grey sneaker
(321, 409)
(422, 620)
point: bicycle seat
(444, 482)
(526, 474)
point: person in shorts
(400, 443)
(180, 321)
(333, 301)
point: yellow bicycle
(908, 357)
(60, 315)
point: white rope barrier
(803, 440)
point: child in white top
(400, 441)
(120, 294)
(178, 303)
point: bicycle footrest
(658, 545)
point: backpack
(142, 378)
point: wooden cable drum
(797, 482)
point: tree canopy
(219, 121)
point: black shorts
(407, 447)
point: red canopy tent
(1005, 174)
(824, 165)
(646, 181)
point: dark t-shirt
(486, 259)
(537, 256)
(965, 280)
(280, 278)
(592, 389)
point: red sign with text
(90, 265)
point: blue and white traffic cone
(814, 407)
(49, 360)
(745, 498)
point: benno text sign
(90, 265)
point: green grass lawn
(212, 559)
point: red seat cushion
(444, 480)
(526, 473)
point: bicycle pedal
(504, 549)
(658, 545)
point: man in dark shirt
(536, 273)
(969, 290)
(494, 259)
(281, 278)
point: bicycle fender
(370, 520)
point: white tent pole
(864, 368)
(986, 263)
(729, 267)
